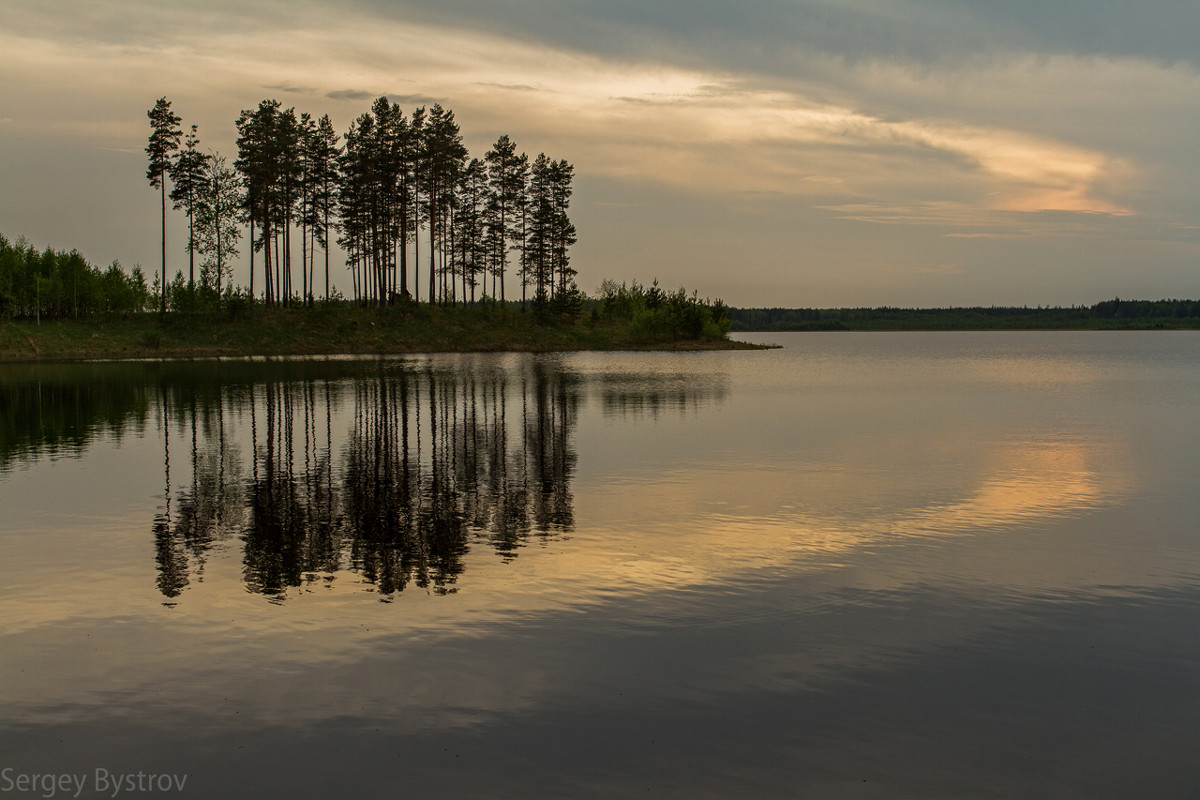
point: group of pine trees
(390, 185)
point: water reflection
(378, 472)
(626, 394)
(432, 460)
(826, 580)
(51, 412)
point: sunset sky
(770, 152)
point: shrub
(658, 316)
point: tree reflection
(212, 508)
(432, 461)
(52, 410)
(312, 468)
(631, 394)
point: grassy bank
(326, 330)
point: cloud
(509, 87)
(1161, 30)
(980, 235)
(984, 223)
(351, 94)
(781, 127)
(782, 40)
(289, 89)
(771, 37)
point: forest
(48, 283)
(1114, 313)
(55, 305)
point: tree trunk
(191, 249)
(162, 179)
(404, 247)
(251, 258)
(432, 241)
(220, 266)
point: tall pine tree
(322, 158)
(164, 141)
(188, 173)
(506, 178)
(443, 154)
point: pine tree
(406, 192)
(443, 154)
(323, 170)
(563, 230)
(538, 234)
(164, 141)
(415, 161)
(374, 201)
(387, 157)
(269, 162)
(256, 164)
(506, 178)
(470, 226)
(307, 131)
(289, 176)
(188, 173)
(354, 201)
(550, 232)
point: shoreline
(228, 355)
(318, 332)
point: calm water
(864, 565)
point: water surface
(863, 565)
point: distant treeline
(54, 283)
(1114, 313)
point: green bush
(658, 316)
(652, 325)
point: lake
(863, 565)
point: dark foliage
(659, 316)
(60, 284)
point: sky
(801, 153)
